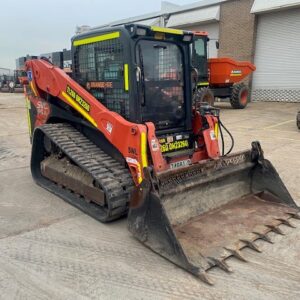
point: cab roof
(111, 32)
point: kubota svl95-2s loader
(121, 136)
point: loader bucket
(200, 215)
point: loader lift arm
(45, 78)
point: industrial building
(265, 32)
(61, 59)
(5, 71)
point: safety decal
(29, 75)
(78, 99)
(132, 161)
(154, 145)
(109, 127)
(236, 73)
(212, 135)
(99, 85)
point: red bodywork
(200, 33)
(226, 71)
(22, 78)
(132, 140)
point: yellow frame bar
(77, 107)
(33, 88)
(167, 30)
(217, 130)
(144, 150)
(126, 78)
(98, 38)
(28, 106)
(202, 83)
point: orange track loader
(122, 137)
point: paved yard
(50, 250)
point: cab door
(161, 84)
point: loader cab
(200, 58)
(140, 72)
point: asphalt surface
(50, 250)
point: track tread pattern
(113, 178)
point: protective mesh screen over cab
(99, 67)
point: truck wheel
(239, 96)
(203, 95)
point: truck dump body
(226, 71)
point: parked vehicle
(219, 77)
(122, 137)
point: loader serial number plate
(179, 164)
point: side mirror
(217, 44)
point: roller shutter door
(277, 57)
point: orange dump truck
(219, 77)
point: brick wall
(237, 30)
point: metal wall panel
(261, 6)
(150, 22)
(277, 57)
(211, 13)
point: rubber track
(113, 178)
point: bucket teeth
(251, 245)
(294, 215)
(237, 254)
(221, 264)
(276, 229)
(264, 237)
(287, 223)
(205, 278)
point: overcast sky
(38, 26)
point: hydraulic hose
(221, 125)
(221, 134)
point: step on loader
(121, 137)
